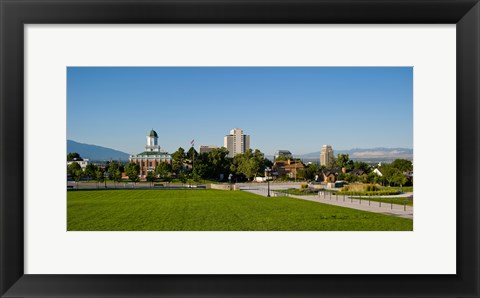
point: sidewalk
(354, 203)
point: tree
(402, 165)
(78, 175)
(360, 165)
(178, 157)
(249, 164)
(133, 171)
(343, 161)
(151, 178)
(117, 176)
(217, 162)
(199, 171)
(163, 170)
(73, 168)
(72, 155)
(182, 177)
(90, 171)
(114, 172)
(99, 177)
(112, 168)
(311, 171)
(192, 153)
(399, 179)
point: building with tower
(326, 156)
(152, 156)
(236, 142)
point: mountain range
(99, 153)
(94, 152)
(370, 153)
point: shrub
(303, 186)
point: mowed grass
(214, 210)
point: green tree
(133, 171)
(73, 168)
(399, 179)
(217, 162)
(112, 167)
(151, 178)
(78, 175)
(402, 165)
(117, 176)
(72, 155)
(192, 153)
(90, 171)
(360, 165)
(178, 157)
(114, 172)
(183, 177)
(311, 171)
(99, 176)
(343, 161)
(164, 170)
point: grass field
(214, 210)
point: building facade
(152, 156)
(287, 168)
(236, 142)
(206, 149)
(326, 156)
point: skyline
(293, 108)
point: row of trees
(214, 165)
(112, 171)
(358, 171)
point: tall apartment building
(326, 156)
(236, 142)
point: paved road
(349, 202)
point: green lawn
(299, 192)
(214, 210)
(398, 201)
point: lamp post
(268, 172)
(268, 187)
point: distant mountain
(94, 152)
(368, 154)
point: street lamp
(268, 187)
(268, 172)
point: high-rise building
(236, 142)
(326, 156)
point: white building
(236, 142)
(83, 162)
(326, 156)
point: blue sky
(293, 108)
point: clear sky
(292, 108)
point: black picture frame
(16, 13)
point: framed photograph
(265, 148)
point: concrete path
(349, 202)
